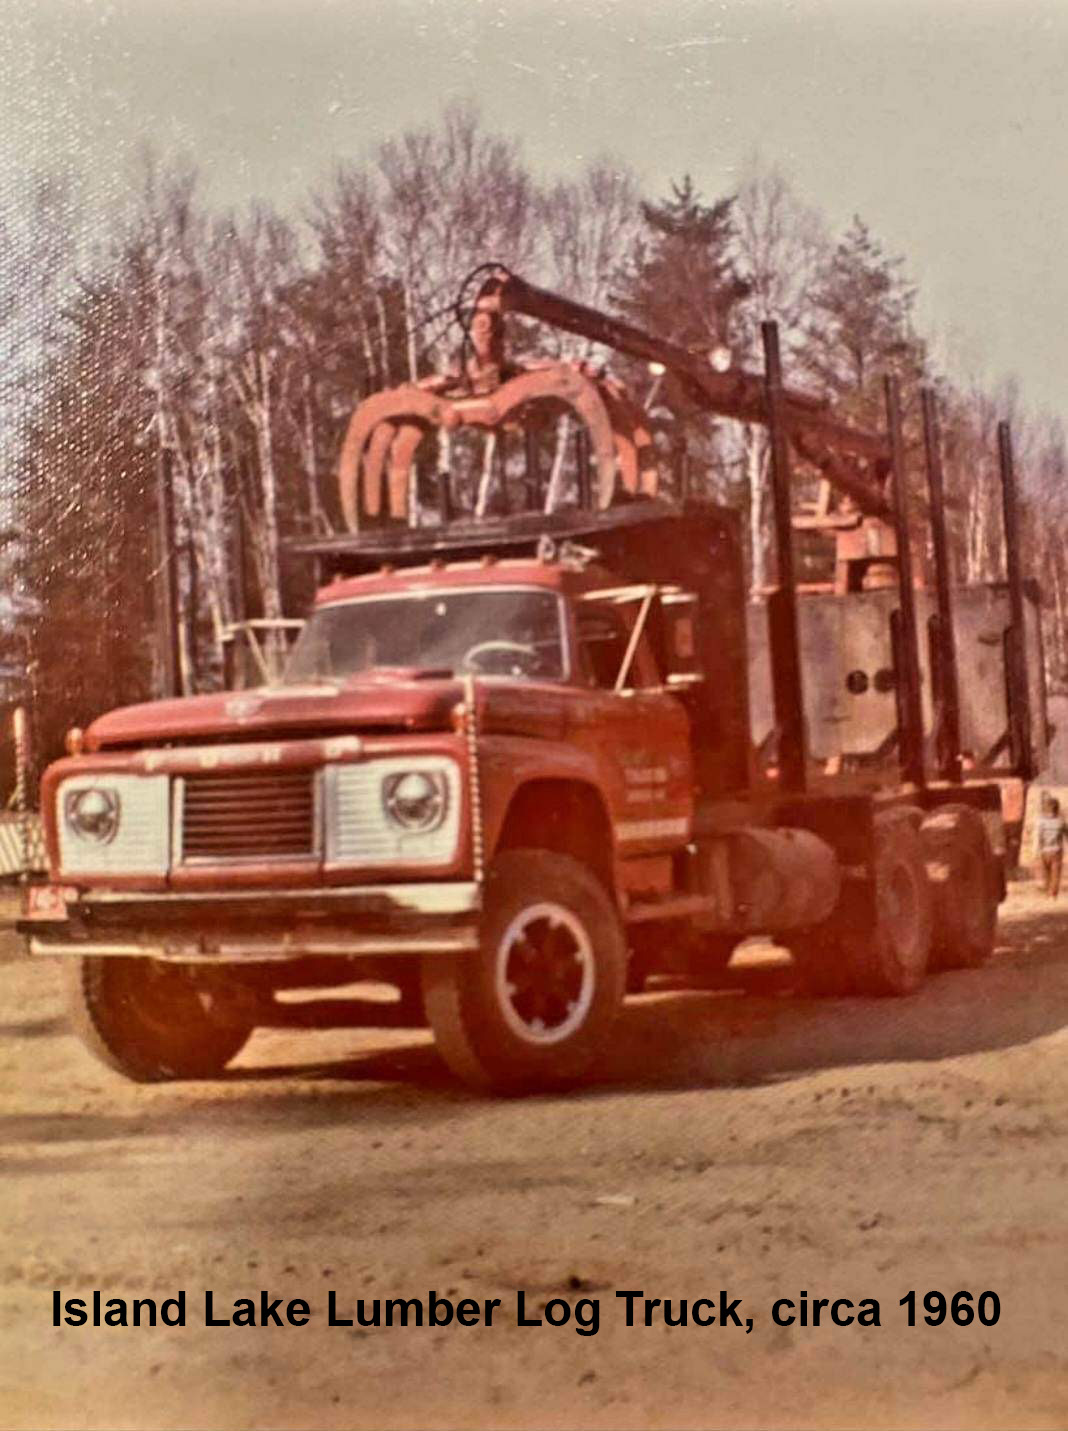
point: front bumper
(255, 925)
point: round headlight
(92, 813)
(415, 799)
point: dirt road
(749, 1141)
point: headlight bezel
(360, 831)
(139, 847)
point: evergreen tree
(680, 281)
(862, 326)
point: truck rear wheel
(892, 957)
(149, 1020)
(533, 1007)
(964, 887)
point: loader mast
(861, 465)
(877, 527)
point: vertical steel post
(949, 694)
(187, 630)
(582, 463)
(239, 589)
(20, 730)
(1019, 690)
(681, 465)
(234, 663)
(532, 468)
(167, 578)
(444, 481)
(911, 733)
(782, 604)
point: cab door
(642, 732)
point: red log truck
(509, 763)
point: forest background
(229, 350)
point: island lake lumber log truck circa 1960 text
(514, 760)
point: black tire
(646, 943)
(534, 1006)
(826, 970)
(965, 887)
(149, 1020)
(639, 971)
(891, 958)
(407, 979)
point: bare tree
(781, 245)
(261, 262)
(453, 197)
(585, 226)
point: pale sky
(943, 124)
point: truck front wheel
(533, 1007)
(149, 1020)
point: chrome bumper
(199, 927)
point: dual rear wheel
(936, 900)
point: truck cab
(445, 736)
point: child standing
(1052, 832)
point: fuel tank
(763, 881)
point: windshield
(492, 632)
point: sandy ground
(750, 1141)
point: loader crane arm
(489, 393)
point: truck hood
(376, 701)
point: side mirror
(679, 616)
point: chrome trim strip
(441, 897)
(177, 817)
(474, 776)
(446, 941)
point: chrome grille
(249, 815)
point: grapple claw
(385, 431)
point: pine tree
(680, 281)
(862, 326)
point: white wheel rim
(544, 975)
